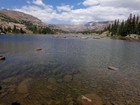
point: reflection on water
(67, 68)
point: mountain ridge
(20, 17)
(30, 24)
(10, 19)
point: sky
(74, 11)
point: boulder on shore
(133, 36)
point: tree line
(38, 29)
(33, 29)
(124, 28)
(13, 30)
(30, 27)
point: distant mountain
(98, 25)
(19, 17)
(70, 27)
(10, 19)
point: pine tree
(9, 29)
(21, 31)
(1, 29)
(130, 26)
(138, 30)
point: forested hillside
(14, 22)
(124, 28)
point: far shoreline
(85, 36)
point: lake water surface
(67, 68)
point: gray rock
(2, 57)
(112, 68)
(38, 49)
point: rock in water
(52, 80)
(59, 80)
(89, 99)
(39, 49)
(23, 87)
(67, 78)
(2, 57)
(112, 68)
(86, 100)
(15, 103)
(0, 87)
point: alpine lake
(51, 70)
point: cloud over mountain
(89, 10)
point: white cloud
(64, 8)
(38, 2)
(94, 10)
(133, 4)
(90, 2)
(45, 14)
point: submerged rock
(71, 103)
(89, 99)
(23, 87)
(3, 94)
(59, 80)
(2, 104)
(52, 80)
(0, 87)
(112, 68)
(51, 84)
(15, 103)
(67, 78)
